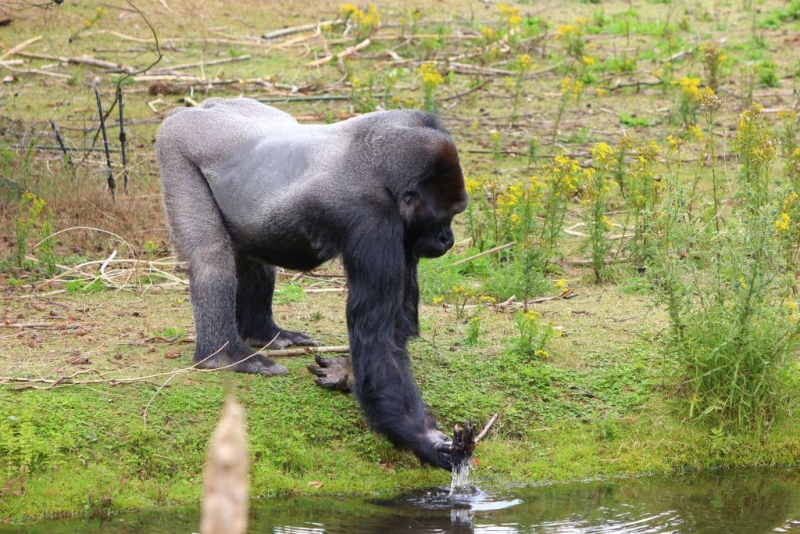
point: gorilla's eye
(409, 196)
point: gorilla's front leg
(212, 285)
(378, 325)
(256, 284)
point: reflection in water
(743, 502)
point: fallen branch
(484, 253)
(302, 351)
(465, 93)
(200, 64)
(16, 49)
(344, 53)
(302, 28)
(83, 60)
(486, 428)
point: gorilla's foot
(280, 339)
(333, 373)
(242, 362)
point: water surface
(743, 502)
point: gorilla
(246, 188)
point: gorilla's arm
(377, 321)
(408, 321)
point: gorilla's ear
(444, 180)
(410, 196)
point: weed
(431, 79)
(34, 220)
(533, 336)
(171, 333)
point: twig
(83, 60)
(465, 93)
(302, 351)
(23, 44)
(303, 99)
(302, 28)
(25, 325)
(122, 139)
(111, 183)
(484, 253)
(483, 432)
(61, 143)
(201, 64)
(344, 53)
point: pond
(746, 502)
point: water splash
(459, 481)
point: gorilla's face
(434, 242)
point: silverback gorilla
(246, 188)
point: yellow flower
(560, 284)
(525, 62)
(488, 33)
(588, 61)
(532, 315)
(783, 222)
(431, 77)
(792, 305)
(565, 30)
(675, 143)
(541, 354)
(696, 131)
(438, 300)
(472, 185)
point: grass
(606, 399)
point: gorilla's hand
(333, 373)
(449, 453)
(463, 445)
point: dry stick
(344, 53)
(111, 183)
(122, 140)
(483, 432)
(14, 50)
(202, 64)
(61, 143)
(84, 60)
(298, 29)
(465, 93)
(484, 253)
(61, 149)
(302, 351)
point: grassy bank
(599, 410)
(622, 291)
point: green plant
(522, 65)
(82, 286)
(594, 197)
(172, 333)
(767, 72)
(533, 335)
(34, 220)
(364, 23)
(728, 289)
(431, 79)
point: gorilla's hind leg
(255, 286)
(198, 232)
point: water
(743, 502)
